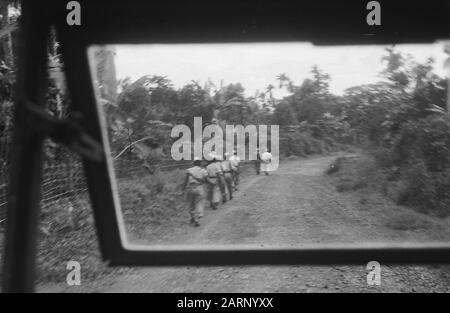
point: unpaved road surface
(295, 205)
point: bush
(412, 184)
(426, 139)
(354, 173)
(416, 161)
(151, 200)
(383, 156)
(303, 144)
(427, 191)
(436, 142)
(419, 185)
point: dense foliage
(404, 124)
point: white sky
(256, 65)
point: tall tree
(395, 70)
(321, 81)
(284, 114)
(269, 91)
(232, 104)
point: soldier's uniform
(258, 163)
(266, 159)
(214, 176)
(222, 184)
(227, 175)
(195, 194)
(235, 170)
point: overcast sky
(256, 65)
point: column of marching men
(214, 183)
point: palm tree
(285, 81)
(269, 89)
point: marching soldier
(214, 183)
(222, 184)
(257, 162)
(235, 170)
(227, 174)
(266, 159)
(196, 177)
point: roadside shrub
(412, 184)
(436, 142)
(383, 156)
(427, 139)
(355, 173)
(302, 144)
(408, 144)
(427, 191)
(419, 184)
(416, 161)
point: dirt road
(296, 204)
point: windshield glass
(278, 144)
